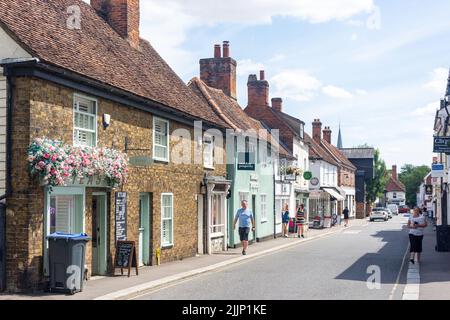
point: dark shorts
(243, 233)
(345, 216)
(416, 243)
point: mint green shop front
(257, 187)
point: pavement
(154, 277)
(434, 270)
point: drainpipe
(274, 206)
(205, 218)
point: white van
(393, 208)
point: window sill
(264, 221)
(167, 247)
(158, 160)
(209, 168)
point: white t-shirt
(420, 220)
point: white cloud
(429, 109)
(336, 92)
(438, 80)
(295, 84)
(277, 58)
(248, 66)
(354, 37)
(361, 92)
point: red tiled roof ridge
(319, 151)
(395, 185)
(338, 155)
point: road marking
(352, 231)
(412, 288)
(391, 297)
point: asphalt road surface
(362, 263)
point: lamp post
(385, 197)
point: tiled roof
(358, 153)
(230, 110)
(98, 52)
(395, 185)
(289, 121)
(316, 151)
(338, 155)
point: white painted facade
(396, 197)
(9, 49)
(300, 190)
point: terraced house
(252, 151)
(97, 124)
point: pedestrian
(245, 217)
(346, 213)
(425, 210)
(416, 225)
(300, 220)
(285, 220)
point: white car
(393, 208)
(379, 214)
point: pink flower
(54, 157)
(46, 156)
(41, 164)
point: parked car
(379, 214)
(393, 208)
(390, 214)
(404, 209)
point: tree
(412, 177)
(375, 188)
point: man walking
(244, 215)
(346, 214)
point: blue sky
(378, 67)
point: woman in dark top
(285, 220)
(300, 220)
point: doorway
(144, 256)
(99, 234)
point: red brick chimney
(123, 16)
(220, 72)
(317, 130)
(327, 134)
(258, 91)
(277, 104)
(394, 172)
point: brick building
(102, 86)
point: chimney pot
(226, 49)
(327, 134)
(317, 130)
(394, 172)
(262, 75)
(217, 51)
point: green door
(99, 237)
(144, 229)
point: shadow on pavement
(387, 259)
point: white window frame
(165, 245)
(211, 151)
(263, 205)
(168, 140)
(94, 115)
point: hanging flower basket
(57, 164)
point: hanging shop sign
(441, 145)
(307, 175)
(429, 189)
(121, 216)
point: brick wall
(44, 109)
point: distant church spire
(339, 143)
(447, 92)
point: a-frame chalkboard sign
(126, 257)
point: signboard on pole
(437, 170)
(441, 145)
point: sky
(378, 68)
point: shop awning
(334, 194)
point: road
(334, 267)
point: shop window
(85, 121)
(166, 219)
(160, 139)
(263, 208)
